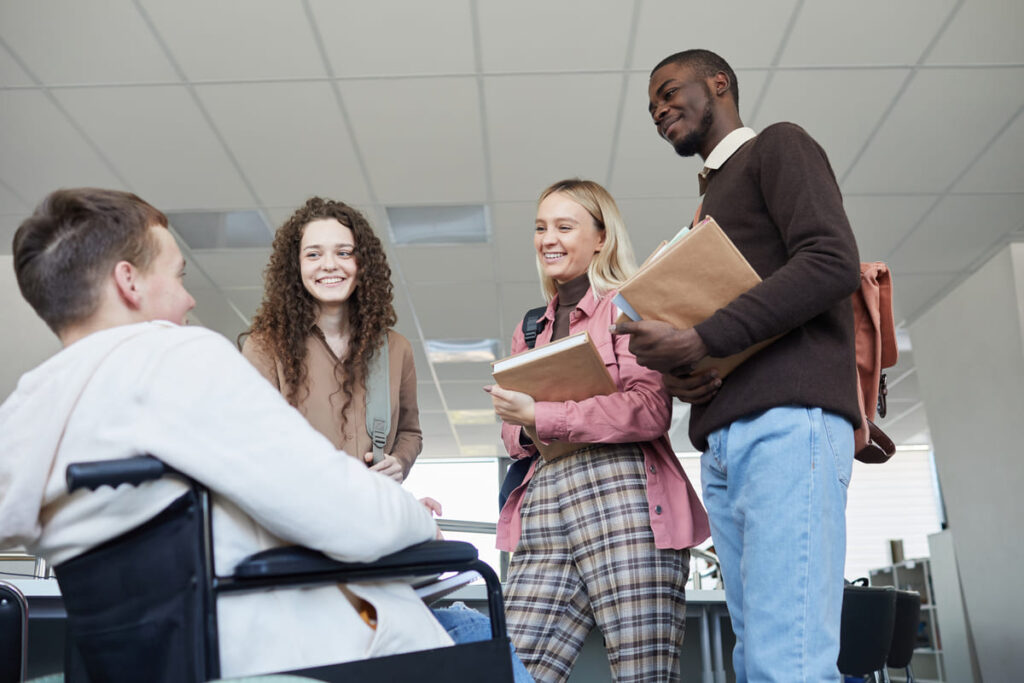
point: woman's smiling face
(327, 260)
(566, 237)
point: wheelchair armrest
(134, 471)
(423, 558)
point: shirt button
(651, 468)
(657, 509)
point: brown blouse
(322, 403)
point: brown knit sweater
(778, 200)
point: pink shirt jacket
(640, 412)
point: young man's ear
(721, 83)
(126, 280)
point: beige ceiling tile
(427, 395)
(839, 122)
(289, 152)
(446, 263)
(751, 39)
(234, 267)
(246, 299)
(652, 221)
(438, 446)
(835, 32)
(13, 205)
(459, 311)
(960, 229)
(545, 128)
(435, 424)
(374, 39)
(65, 41)
(10, 72)
(931, 137)
(466, 395)
(912, 293)
(982, 33)
(479, 435)
(879, 222)
(475, 372)
(172, 165)
(214, 311)
(238, 39)
(40, 151)
(513, 228)
(532, 35)
(420, 138)
(1000, 169)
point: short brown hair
(73, 239)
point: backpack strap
(533, 325)
(378, 400)
(517, 471)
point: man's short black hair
(706, 64)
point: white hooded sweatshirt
(185, 395)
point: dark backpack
(532, 326)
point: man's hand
(513, 407)
(389, 466)
(696, 389)
(662, 347)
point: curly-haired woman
(326, 309)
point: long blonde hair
(611, 266)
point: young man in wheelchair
(103, 271)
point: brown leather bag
(875, 343)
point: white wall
(25, 340)
(969, 350)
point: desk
(706, 607)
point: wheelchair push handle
(134, 471)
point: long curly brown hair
(289, 312)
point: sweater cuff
(550, 420)
(715, 338)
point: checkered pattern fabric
(587, 556)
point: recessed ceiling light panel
(222, 229)
(462, 350)
(439, 224)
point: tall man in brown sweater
(777, 433)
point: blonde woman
(600, 535)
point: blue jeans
(775, 490)
(466, 625)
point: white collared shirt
(722, 151)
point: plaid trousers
(587, 555)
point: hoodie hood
(32, 422)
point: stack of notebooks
(686, 280)
(569, 369)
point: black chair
(162, 574)
(14, 630)
(904, 632)
(868, 618)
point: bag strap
(533, 325)
(378, 400)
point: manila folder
(691, 279)
(569, 369)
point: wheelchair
(164, 571)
